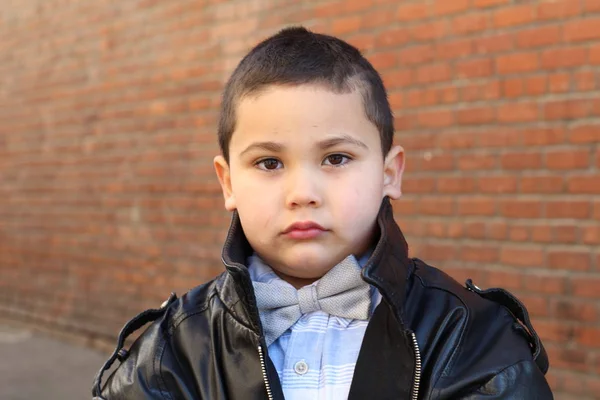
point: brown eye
(336, 159)
(269, 164)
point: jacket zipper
(264, 372)
(417, 377)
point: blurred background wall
(108, 115)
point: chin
(308, 264)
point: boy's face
(307, 176)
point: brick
(342, 25)
(477, 162)
(438, 162)
(546, 284)
(536, 305)
(565, 233)
(447, 95)
(443, 7)
(584, 184)
(564, 57)
(535, 85)
(573, 310)
(481, 91)
(396, 100)
(521, 160)
(479, 254)
(455, 184)
(555, 331)
(489, 3)
(522, 256)
(456, 49)
(584, 80)
(559, 82)
(498, 184)
(558, 9)
(393, 37)
(586, 287)
(436, 206)
(539, 36)
(585, 134)
(418, 54)
(582, 30)
(591, 235)
(495, 43)
(373, 19)
(542, 233)
(384, 60)
(518, 233)
(475, 116)
(594, 54)
(398, 78)
(517, 112)
(569, 260)
(429, 30)
(355, 6)
(572, 359)
(543, 136)
(433, 73)
(513, 87)
(514, 16)
(421, 97)
(455, 140)
(476, 206)
(591, 5)
(474, 68)
(435, 118)
(517, 63)
(521, 208)
(504, 279)
(469, 23)
(579, 209)
(412, 12)
(364, 42)
(417, 142)
(568, 159)
(566, 109)
(474, 230)
(418, 185)
(542, 184)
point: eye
(336, 160)
(269, 164)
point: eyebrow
(325, 144)
(343, 139)
(268, 146)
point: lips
(304, 230)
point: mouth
(304, 230)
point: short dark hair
(296, 56)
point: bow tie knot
(340, 292)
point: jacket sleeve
(140, 374)
(521, 381)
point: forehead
(301, 113)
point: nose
(303, 188)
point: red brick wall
(107, 131)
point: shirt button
(301, 367)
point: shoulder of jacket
(492, 319)
(163, 321)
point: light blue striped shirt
(315, 358)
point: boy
(320, 299)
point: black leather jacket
(430, 338)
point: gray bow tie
(340, 292)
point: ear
(223, 173)
(393, 167)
